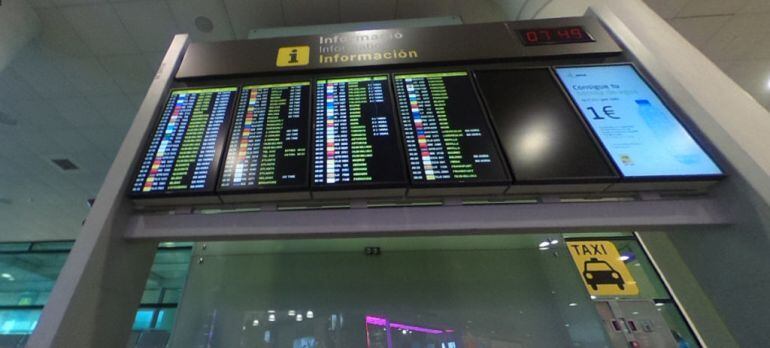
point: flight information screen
(268, 142)
(447, 135)
(184, 151)
(642, 136)
(356, 141)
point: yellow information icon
(602, 270)
(293, 56)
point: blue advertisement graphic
(642, 136)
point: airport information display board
(185, 147)
(267, 149)
(352, 137)
(448, 138)
(640, 133)
(356, 139)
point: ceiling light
(299, 317)
(554, 241)
(309, 314)
(544, 244)
(6, 275)
(573, 304)
(292, 312)
(271, 317)
(624, 257)
(255, 322)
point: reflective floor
(431, 292)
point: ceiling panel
(480, 12)
(737, 37)
(711, 7)
(311, 12)
(367, 10)
(117, 110)
(698, 30)
(250, 14)
(107, 138)
(76, 2)
(186, 11)
(667, 8)
(756, 6)
(753, 76)
(131, 72)
(78, 111)
(88, 76)
(153, 60)
(36, 67)
(41, 3)
(35, 114)
(425, 8)
(13, 87)
(101, 29)
(149, 23)
(58, 35)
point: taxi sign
(602, 270)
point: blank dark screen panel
(268, 144)
(356, 141)
(447, 135)
(540, 133)
(184, 151)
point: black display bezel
(493, 132)
(216, 162)
(576, 112)
(257, 189)
(397, 132)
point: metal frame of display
(100, 286)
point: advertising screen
(447, 135)
(642, 136)
(184, 150)
(268, 143)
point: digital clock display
(551, 36)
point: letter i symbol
(293, 57)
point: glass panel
(497, 291)
(27, 278)
(6, 247)
(143, 319)
(52, 246)
(167, 276)
(676, 322)
(165, 319)
(18, 321)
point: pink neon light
(382, 322)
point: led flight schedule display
(447, 135)
(356, 142)
(184, 151)
(268, 143)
